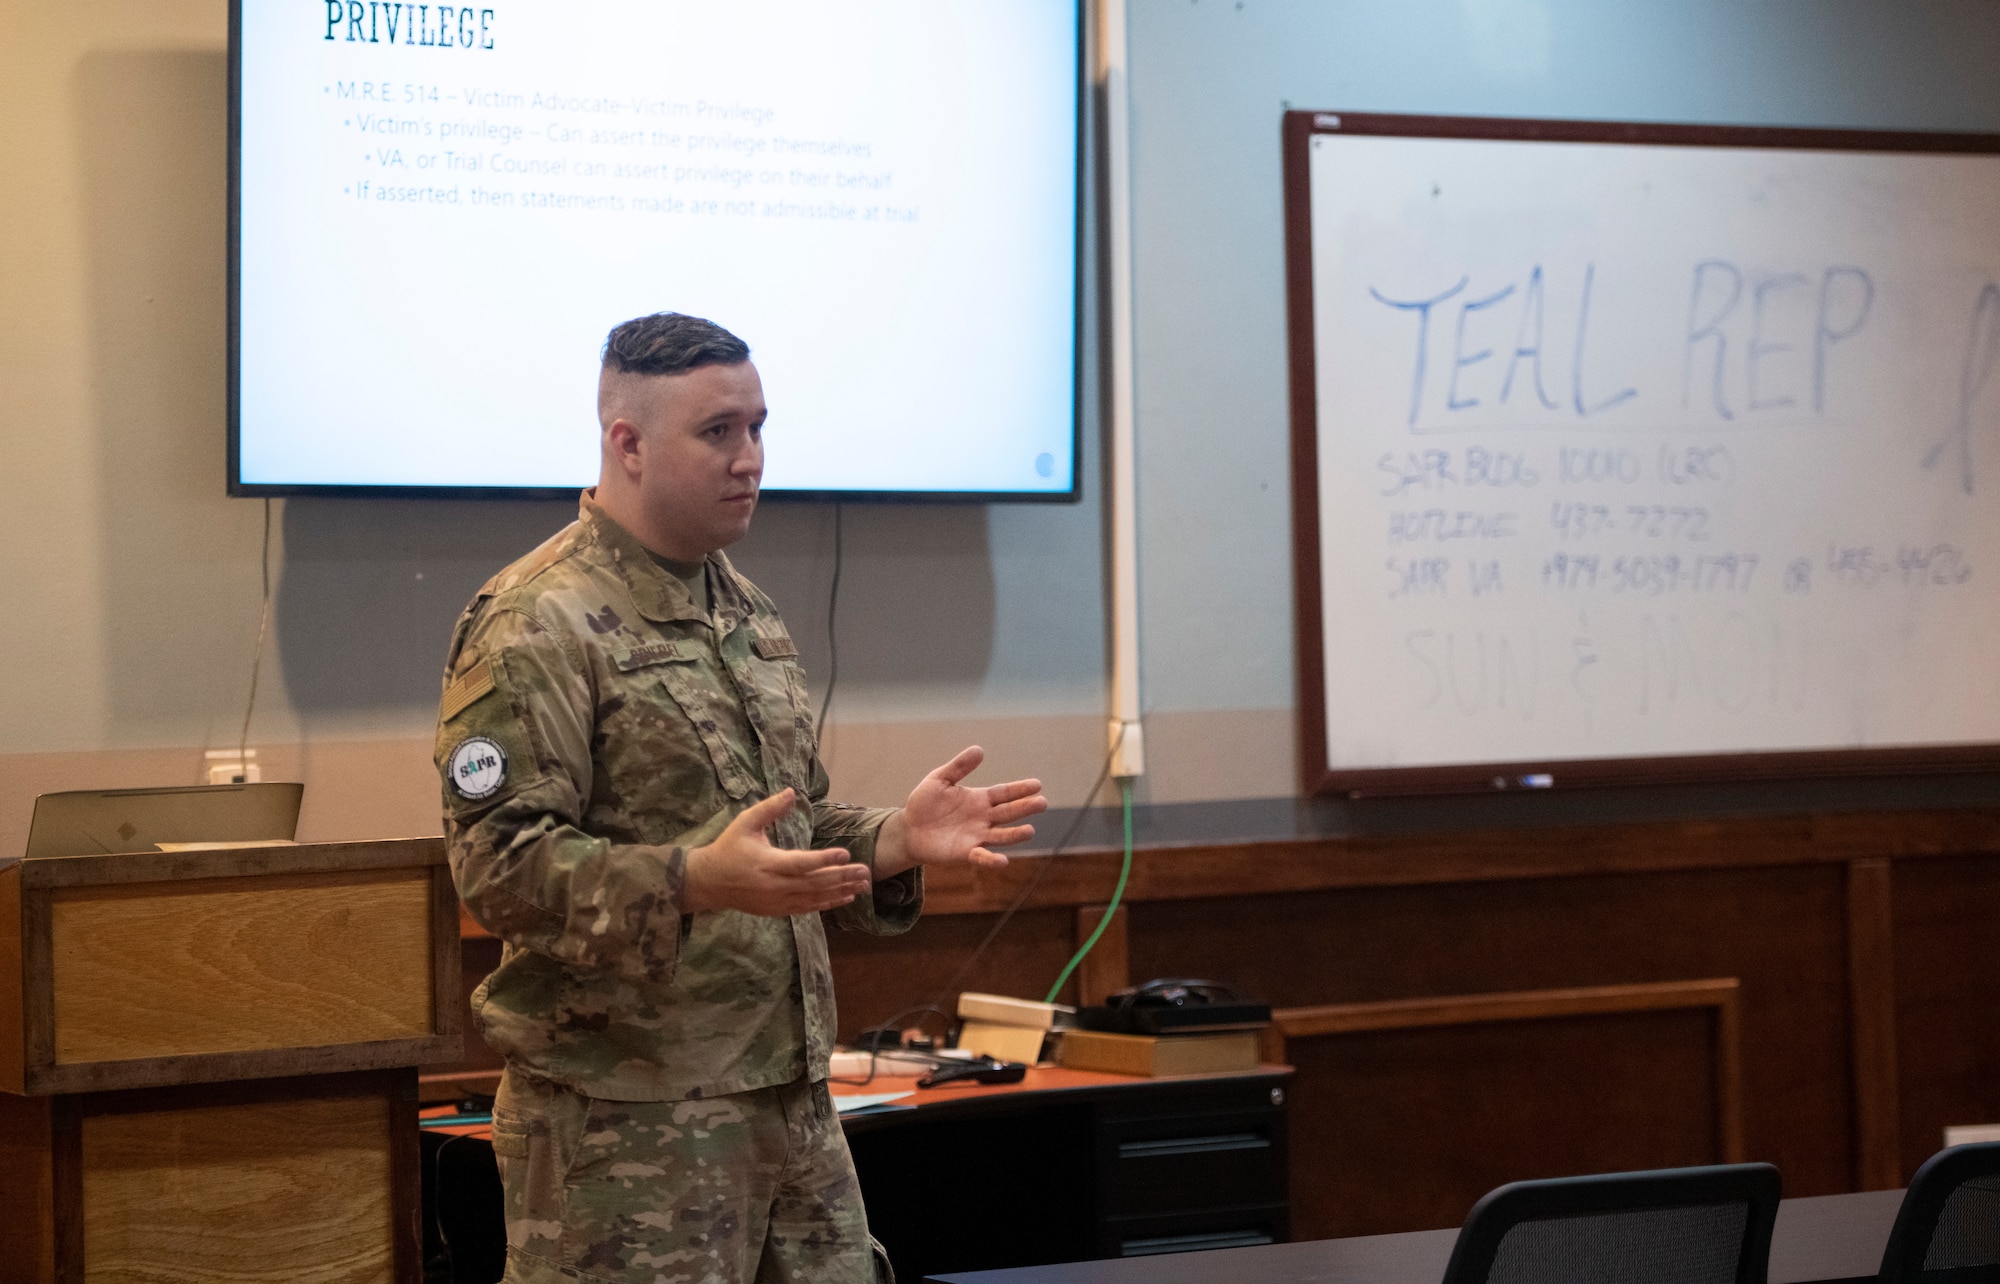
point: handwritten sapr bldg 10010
(436, 26)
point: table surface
(1827, 1238)
(1047, 1085)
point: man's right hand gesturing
(740, 870)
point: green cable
(1117, 893)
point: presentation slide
(441, 211)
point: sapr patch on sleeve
(477, 768)
(779, 648)
(472, 686)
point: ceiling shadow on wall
(369, 589)
(372, 588)
(177, 615)
(916, 589)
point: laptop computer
(93, 822)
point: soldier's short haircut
(671, 343)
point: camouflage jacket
(594, 727)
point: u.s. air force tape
(478, 768)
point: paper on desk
(865, 1101)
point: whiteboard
(1632, 451)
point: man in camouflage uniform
(635, 805)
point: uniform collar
(659, 596)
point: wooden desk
(1855, 938)
(1832, 1239)
(1047, 1085)
(1067, 1165)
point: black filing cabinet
(1117, 1169)
(1201, 1167)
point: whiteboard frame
(1316, 776)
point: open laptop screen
(90, 822)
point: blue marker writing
(1422, 307)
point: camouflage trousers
(756, 1186)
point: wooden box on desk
(208, 1058)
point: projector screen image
(439, 212)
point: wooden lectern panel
(291, 1190)
(27, 1191)
(147, 969)
(208, 1061)
(305, 1179)
(231, 964)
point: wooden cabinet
(1485, 1002)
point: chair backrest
(1948, 1229)
(1669, 1226)
(471, 1214)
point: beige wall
(385, 788)
(132, 600)
(133, 580)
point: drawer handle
(1192, 1243)
(1193, 1145)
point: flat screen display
(438, 212)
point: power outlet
(228, 767)
(1128, 749)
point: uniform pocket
(693, 690)
(785, 717)
(537, 1130)
(658, 742)
(510, 1138)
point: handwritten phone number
(1651, 576)
(1575, 521)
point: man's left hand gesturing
(944, 822)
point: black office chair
(1948, 1229)
(1670, 1226)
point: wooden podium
(208, 1061)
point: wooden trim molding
(1171, 871)
(1721, 996)
(1871, 984)
(38, 1041)
(1168, 872)
(448, 1010)
(48, 872)
(238, 1067)
(1107, 968)
(100, 1013)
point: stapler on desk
(979, 1070)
